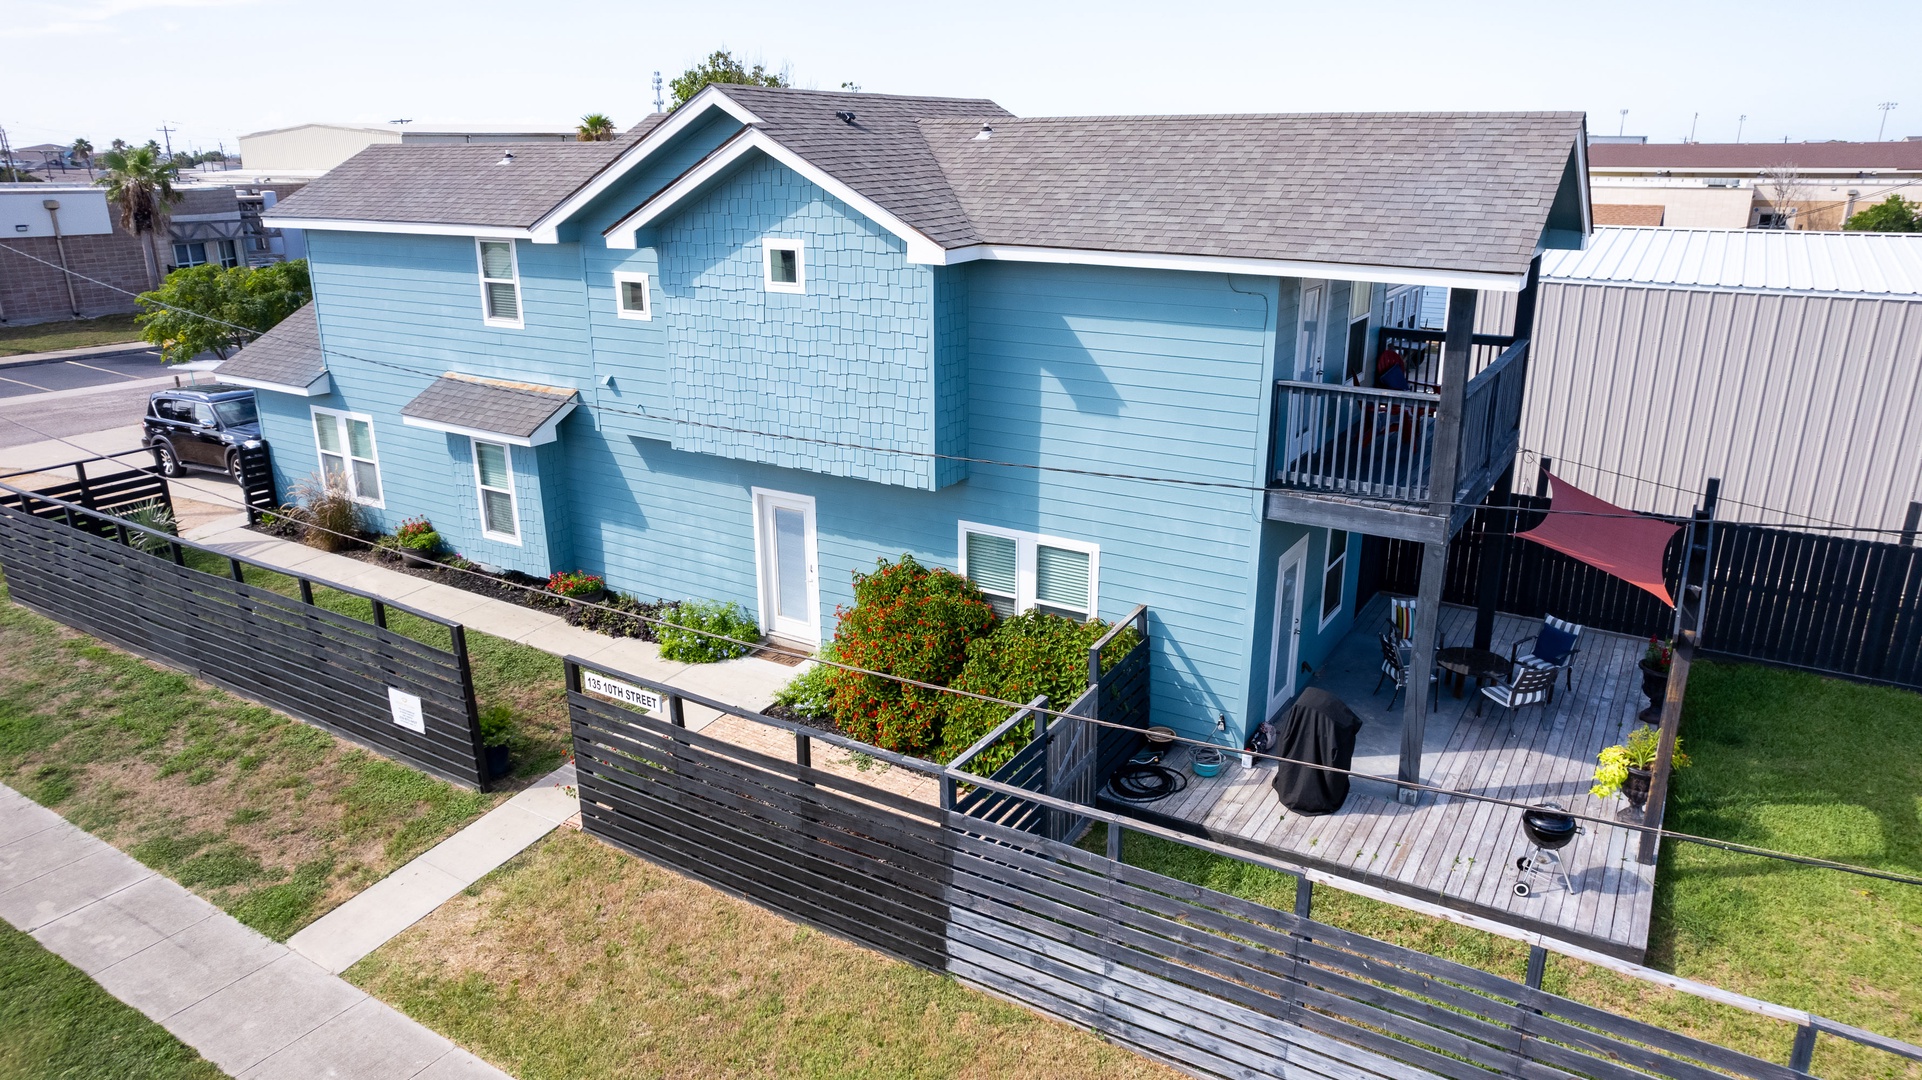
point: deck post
(1912, 524)
(1494, 559)
(1457, 342)
(1665, 746)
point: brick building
(80, 233)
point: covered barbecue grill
(1320, 728)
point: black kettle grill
(1549, 829)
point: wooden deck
(1458, 852)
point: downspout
(60, 245)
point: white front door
(784, 551)
(1311, 347)
(1284, 652)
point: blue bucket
(1206, 760)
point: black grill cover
(1320, 728)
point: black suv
(201, 425)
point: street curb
(58, 355)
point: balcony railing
(1370, 443)
(1351, 440)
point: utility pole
(167, 133)
(657, 92)
(6, 154)
(1691, 126)
(1885, 107)
(1743, 119)
(1624, 128)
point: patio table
(1464, 663)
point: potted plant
(576, 585)
(1628, 767)
(497, 732)
(1657, 659)
(417, 542)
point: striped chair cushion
(1401, 615)
(1529, 687)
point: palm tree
(595, 127)
(142, 186)
(83, 150)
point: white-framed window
(783, 267)
(494, 478)
(1020, 570)
(631, 300)
(500, 283)
(1334, 578)
(347, 454)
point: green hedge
(1030, 655)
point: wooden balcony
(1365, 458)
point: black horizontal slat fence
(1824, 602)
(1212, 984)
(356, 679)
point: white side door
(1311, 347)
(789, 584)
(1284, 650)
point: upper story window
(783, 265)
(347, 456)
(1018, 571)
(500, 283)
(198, 252)
(630, 296)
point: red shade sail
(1606, 537)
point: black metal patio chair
(1395, 667)
(1525, 686)
(1554, 647)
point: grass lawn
(58, 1024)
(273, 820)
(576, 960)
(67, 334)
(1783, 760)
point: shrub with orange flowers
(911, 622)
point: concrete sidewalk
(250, 1006)
(748, 682)
(374, 917)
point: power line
(1431, 789)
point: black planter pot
(1655, 687)
(594, 597)
(1635, 788)
(497, 764)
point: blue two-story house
(764, 340)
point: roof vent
(986, 133)
(846, 115)
(506, 158)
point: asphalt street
(26, 379)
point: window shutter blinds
(498, 506)
(493, 464)
(1061, 578)
(994, 565)
(497, 260)
(503, 300)
(327, 430)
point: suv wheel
(169, 461)
(234, 469)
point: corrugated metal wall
(1809, 408)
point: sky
(214, 69)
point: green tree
(205, 308)
(1893, 214)
(82, 150)
(722, 67)
(595, 127)
(140, 183)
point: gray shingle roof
(287, 355)
(1439, 191)
(882, 154)
(514, 409)
(1453, 191)
(455, 185)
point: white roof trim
(417, 228)
(546, 433)
(921, 249)
(318, 388)
(1214, 264)
(696, 108)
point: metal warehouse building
(1789, 364)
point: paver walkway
(375, 916)
(254, 1008)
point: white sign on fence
(596, 683)
(406, 709)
